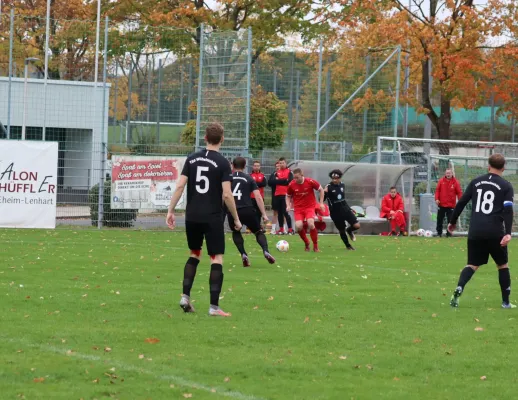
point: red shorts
(304, 214)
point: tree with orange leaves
(469, 46)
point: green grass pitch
(81, 312)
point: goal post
(431, 157)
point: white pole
(97, 33)
(26, 72)
(46, 72)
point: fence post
(290, 102)
(319, 97)
(159, 101)
(46, 71)
(148, 102)
(398, 80)
(200, 83)
(104, 133)
(248, 91)
(9, 89)
(297, 95)
(366, 111)
(513, 129)
(129, 136)
(180, 114)
(115, 98)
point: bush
(111, 218)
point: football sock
(239, 242)
(504, 278)
(303, 236)
(273, 227)
(314, 236)
(261, 239)
(189, 272)
(465, 276)
(351, 229)
(288, 221)
(344, 238)
(215, 282)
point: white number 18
(487, 201)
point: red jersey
(284, 177)
(260, 180)
(303, 194)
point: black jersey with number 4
(491, 196)
(205, 170)
(242, 187)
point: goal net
(430, 158)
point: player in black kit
(243, 185)
(208, 178)
(490, 226)
(339, 210)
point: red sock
(314, 236)
(303, 236)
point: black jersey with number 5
(242, 187)
(205, 170)
(490, 195)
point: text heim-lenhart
(26, 200)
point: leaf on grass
(483, 378)
(306, 319)
(187, 395)
(70, 352)
(171, 386)
(357, 366)
(479, 329)
(141, 356)
(477, 320)
(39, 380)
(270, 298)
(213, 390)
(343, 357)
(107, 349)
(378, 322)
(227, 379)
(434, 315)
(95, 348)
(152, 340)
(417, 340)
(396, 378)
(370, 367)
(256, 307)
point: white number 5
(201, 178)
(487, 201)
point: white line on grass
(129, 367)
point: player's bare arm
(175, 198)
(321, 200)
(508, 215)
(464, 200)
(288, 203)
(260, 204)
(230, 203)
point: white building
(72, 114)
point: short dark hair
(297, 171)
(335, 172)
(257, 162)
(497, 161)
(239, 163)
(393, 188)
(214, 133)
(282, 159)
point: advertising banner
(28, 184)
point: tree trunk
(444, 126)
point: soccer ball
(428, 234)
(283, 246)
(420, 232)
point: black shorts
(340, 215)
(479, 251)
(213, 233)
(276, 202)
(248, 217)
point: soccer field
(94, 315)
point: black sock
(215, 282)
(239, 242)
(189, 272)
(345, 239)
(288, 221)
(351, 229)
(504, 277)
(465, 276)
(261, 239)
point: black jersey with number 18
(243, 186)
(205, 170)
(490, 194)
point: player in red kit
(301, 198)
(260, 180)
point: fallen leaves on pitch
(152, 340)
(306, 319)
(479, 329)
(227, 379)
(417, 340)
(396, 378)
(270, 298)
(187, 395)
(39, 380)
(343, 357)
(107, 349)
(483, 378)
(141, 356)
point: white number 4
(236, 192)
(200, 178)
(487, 201)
